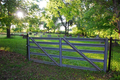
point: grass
(16, 44)
(15, 65)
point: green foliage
(97, 18)
(16, 30)
(74, 30)
(2, 30)
(8, 14)
(88, 15)
(50, 20)
(45, 26)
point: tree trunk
(8, 25)
(48, 30)
(68, 28)
(65, 31)
(54, 30)
(63, 23)
(118, 24)
(8, 33)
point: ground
(16, 66)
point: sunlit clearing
(20, 14)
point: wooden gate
(67, 41)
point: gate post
(105, 55)
(110, 47)
(60, 51)
(28, 49)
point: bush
(62, 32)
(57, 32)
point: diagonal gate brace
(82, 54)
(44, 51)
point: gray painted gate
(74, 49)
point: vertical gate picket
(105, 55)
(28, 48)
(60, 51)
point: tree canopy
(9, 9)
(89, 14)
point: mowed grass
(48, 72)
(15, 44)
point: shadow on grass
(16, 66)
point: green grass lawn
(14, 63)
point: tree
(8, 8)
(89, 14)
(33, 17)
(50, 21)
(103, 14)
(60, 9)
(45, 26)
(116, 15)
(34, 22)
(66, 24)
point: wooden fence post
(105, 55)
(60, 51)
(110, 48)
(28, 51)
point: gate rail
(60, 49)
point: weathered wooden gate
(66, 41)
